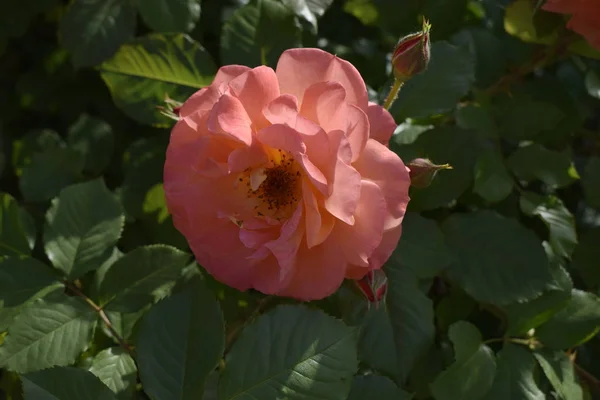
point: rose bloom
(585, 17)
(281, 180)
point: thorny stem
(391, 97)
(122, 342)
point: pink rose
(281, 180)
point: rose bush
(282, 181)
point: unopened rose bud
(422, 171)
(373, 286)
(412, 54)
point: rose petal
(286, 138)
(318, 225)
(382, 166)
(358, 242)
(381, 122)
(285, 247)
(357, 131)
(318, 273)
(325, 104)
(344, 185)
(229, 118)
(298, 69)
(255, 89)
(206, 97)
(282, 110)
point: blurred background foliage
(508, 240)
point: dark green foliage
(492, 290)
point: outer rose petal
(359, 241)
(217, 244)
(382, 123)
(388, 244)
(298, 69)
(206, 97)
(382, 166)
(255, 89)
(319, 272)
(228, 117)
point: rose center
(274, 189)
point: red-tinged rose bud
(412, 54)
(373, 286)
(422, 171)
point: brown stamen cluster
(279, 192)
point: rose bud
(412, 54)
(422, 171)
(373, 286)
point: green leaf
(449, 76)
(82, 227)
(515, 376)
(492, 181)
(258, 33)
(535, 162)
(520, 117)
(49, 172)
(371, 387)
(591, 177)
(454, 307)
(477, 118)
(64, 383)
(412, 317)
(93, 139)
(173, 362)
(33, 142)
(21, 279)
(376, 344)
(302, 353)
(93, 30)
(488, 51)
(560, 222)
(146, 69)
(422, 247)
(472, 373)
(170, 15)
(451, 145)
(117, 370)
(363, 10)
(130, 281)
(560, 372)
(586, 256)
(575, 324)
(143, 195)
(523, 316)
(310, 10)
(15, 228)
(51, 331)
(498, 260)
